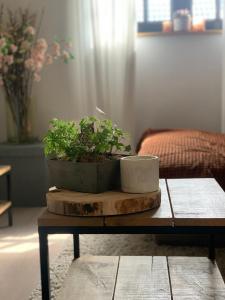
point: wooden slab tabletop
(184, 202)
(142, 277)
(4, 170)
(161, 216)
(197, 202)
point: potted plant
(23, 57)
(82, 156)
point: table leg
(44, 262)
(76, 246)
(212, 253)
(10, 218)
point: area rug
(118, 245)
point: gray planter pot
(85, 177)
(29, 173)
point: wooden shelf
(142, 277)
(188, 33)
(4, 170)
(4, 206)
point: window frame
(156, 26)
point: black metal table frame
(44, 231)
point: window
(158, 10)
(140, 10)
(151, 14)
(204, 9)
(221, 9)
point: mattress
(186, 153)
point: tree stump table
(69, 203)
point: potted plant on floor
(82, 156)
(23, 56)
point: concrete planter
(29, 173)
(85, 177)
(139, 174)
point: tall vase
(18, 123)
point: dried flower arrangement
(23, 56)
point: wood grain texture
(4, 170)
(197, 202)
(69, 203)
(91, 278)
(49, 219)
(195, 278)
(142, 277)
(4, 205)
(161, 216)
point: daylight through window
(165, 15)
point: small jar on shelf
(182, 21)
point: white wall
(179, 82)
(178, 79)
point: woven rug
(118, 245)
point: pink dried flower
(13, 48)
(56, 49)
(38, 59)
(2, 42)
(9, 59)
(29, 63)
(38, 66)
(25, 45)
(49, 59)
(37, 77)
(41, 45)
(30, 30)
(66, 55)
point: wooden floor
(143, 277)
(19, 254)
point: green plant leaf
(88, 140)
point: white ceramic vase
(139, 174)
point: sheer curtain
(223, 81)
(105, 58)
(114, 27)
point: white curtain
(223, 79)
(104, 40)
(102, 74)
(223, 85)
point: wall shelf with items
(186, 33)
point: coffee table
(188, 206)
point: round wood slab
(69, 203)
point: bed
(186, 153)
